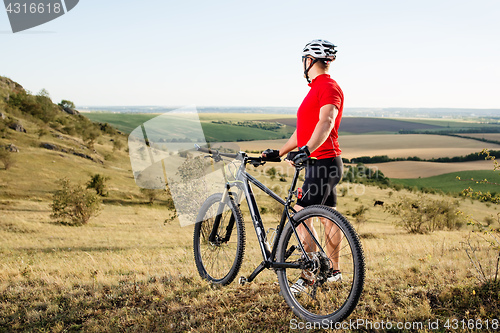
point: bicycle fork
(228, 200)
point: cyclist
(316, 135)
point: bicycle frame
(243, 181)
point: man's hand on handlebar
(297, 157)
(271, 155)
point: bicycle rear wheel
(320, 300)
(220, 260)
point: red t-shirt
(324, 90)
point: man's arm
(290, 145)
(327, 115)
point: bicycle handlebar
(214, 152)
(255, 161)
(252, 159)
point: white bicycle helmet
(318, 49)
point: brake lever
(257, 163)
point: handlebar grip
(273, 159)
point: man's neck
(313, 73)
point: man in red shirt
(318, 120)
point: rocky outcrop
(51, 146)
(12, 148)
(70, 110)
(8, 87)
(16, 126)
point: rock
(49, 146)
(13, 149)
(70, 110)
(83, 155)
(11, 85)
(17, 127)
(2, 115)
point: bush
(423, 214)
(152, 194)
(359, 214)
(6, 158)
(117, 144)
(98, 183)
(42, 132)
(272, 172)
(73, 204)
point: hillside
(48, 142)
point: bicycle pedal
(242, 280)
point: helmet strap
(306, 69)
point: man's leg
(333, 237)
(305, 237)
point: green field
(449, 183)
(456, 124)
(127, 122)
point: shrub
(117, 144)
(42, 132)
(6, 158)
(359, 214)
(272, 172)
(423, 214)
(90, 136)
(74, 205)
(98, 183)
(152, 194)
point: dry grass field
(392, 145)
(128, 270)
(405, 145)
(487, 136)
(131, 270)
(399, 145)
(414, 169)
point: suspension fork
(218, 216)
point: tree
(43, 93)
(67, 104)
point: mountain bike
(219, 243)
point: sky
(391, 53)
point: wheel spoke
(218, 261)
(339, 248)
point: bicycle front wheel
(329, 288)
(219, 260)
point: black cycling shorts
(320, 181)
